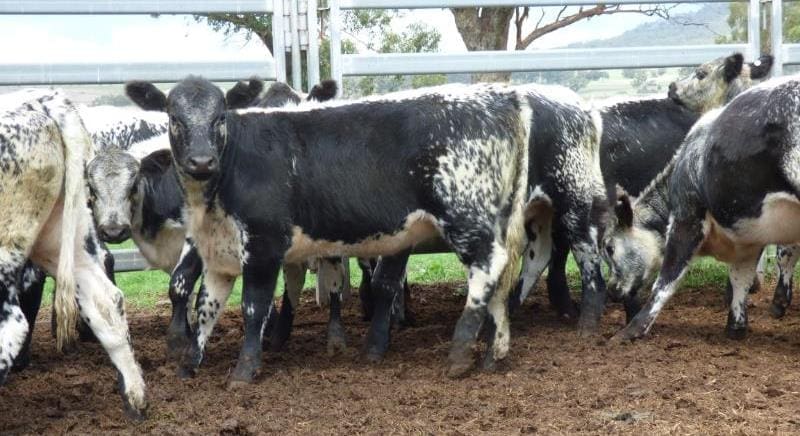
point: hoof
(624, 336)
(245, 372)
(22, 361)
(133, 413)
(777, 311)
(186, 371)
(736, 333)
(177, 347)
(234, 384)
(336, 345)
(489, 362)
(459, 369)
(374, 357)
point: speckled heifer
(733, 189)
(44, 147)
(265, 187)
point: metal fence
(526, 60)
(294, 31)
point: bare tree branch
(562, 21)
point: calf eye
(610, 250)
(700, 74)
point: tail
(77, 150)
(516, 237)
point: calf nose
(202, 164)
(673, 89)
(114, 232)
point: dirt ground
(686, 377)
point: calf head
(716, 82)
(632, 253)
(111, 176)
(196, 110)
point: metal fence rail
(525, 60)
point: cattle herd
(212, 186)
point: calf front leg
(181, 287)
(367, 266)
(787, 259)
(211, 302)
(258, 288)
(557, 288)
(683, 239)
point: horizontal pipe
(436, 4)
(118, 7)
(533, 60)
(120, 72)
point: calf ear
(761, 68)
(156, 163)
(733, 66)
(146, 96)
(243, 94)
(324, 91)
(623, 209)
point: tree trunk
(485, 29)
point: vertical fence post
(753, 29)
(297, 68)
(312, 55)
(777, 37)
(278, 40)
(336, 42)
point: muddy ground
(685, 378)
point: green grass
(144, 289)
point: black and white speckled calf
(734, 189)
(271, 186)
(634, 243)
(136, 194)
(45, 218)
(567, 197)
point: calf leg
(742, 276)
(787, 259)
(488, 259)
(536, 256)
(13, 324)
(258, 289)
(331, 278)
(367, 266)
(407, 319)
(181, 287)
(584, 244)
(85, 333)
(683, 239)
(211, 301)
(557, 288)
(102, 308)
(294, 277)
(386, 286)
(30, 300)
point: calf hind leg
(294, 277)
(13, 323)
(331, 276)
(30, 300)
(787, 259)
(387, 282)
(742, 275)
(102, 308)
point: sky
(83, 38)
